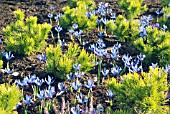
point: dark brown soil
(31, 65)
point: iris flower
(75, 26)
(110, 94)
(141, 57)
(28, 100)
(80, 98)
(8, 71)
(101, 43)
(166, 69)
(61, 87)
(58, 16)
(50, 92)
(126, 59)
(22, 84)
(39, 82)
(50, 15)
(92, 47)
(78, 74)
(76, 85)
(71, 31)
(105, 72)
(158, 12)
(52, 8)
(88, 14)
(76, 67)
(164, 27)
(100, 34)
(75, 110)
(49, 80)
(154, 65)
(115, 51)
(115, 70)
(78, 33)
(8, 55)
(42, 58)
(70, 76)
(90, 84)
(113, 16)
(41, 95)
(58, 28)
(135, 68)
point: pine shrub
(60, 63)
(132, 8)
(125, 31)
(9, 97)
(165, 19)
(78, 15)
(156, 46)
(141, 93)
(26, 36)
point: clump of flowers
(25, 36)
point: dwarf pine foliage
(165, 19)
(1, 62)
(125, 31)
(121, 112)
(90, 4)
(25, 36)
(60, 63)
(10, 95)
(156, 46)
(79, 16)
(132, 8)
(164, 2)
(141, 93)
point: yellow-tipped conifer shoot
(10, 95)
(156, 46)
(1, 62)
(165, 19)
(61, 64)
(132, 8)
(25, 36)
(141, 93)
(125, 30)
(78, 15)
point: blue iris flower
(76, 85)
(58, 28)
(90, 84)
(28, 100)
(8, 55)
(49, 80)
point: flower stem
(99, 70)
